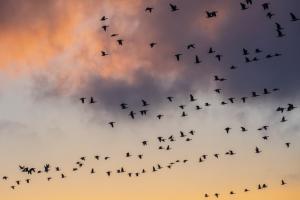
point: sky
(50, 57)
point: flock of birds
(166, 142)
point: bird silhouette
(173, 7)
(82, 99)
(293, 17)
(149, 9)
(280, 34)
(120, 42)
(257, 150)
(197, 60)
(211, 14)
(152, 44)
(103, 18)
(192, 98)
(103, 53)
(210, 51)
(243, 6)
(105, 27)
(132, 114)
(92, 100)
(178, 56)
(227, 129)
(112, 124)
(266, 6)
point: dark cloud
(231, 31)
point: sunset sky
(50, 57)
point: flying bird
(149, 9)
(293, 17)
(173, 7)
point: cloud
(59, 44)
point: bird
(105, 27)
(152, 44)
(249, 2)
(114, 35)
(103, 18)
(82, 99)
(258, 50)
(198, 107)
(128, 155)
(231, 99)
(210, 51)
(270, 15)
(293, 17)
(232, 67)
(266, 91)
(278, 26)
(170, 99)
(218, 56)
(145, 143)
(265, 137)
(243, 6)
(257, 150)
(197, 60)
(46, 168)
(183, 114)
(182, 134)
(223, 103)
(245, 52)
(191, 46)
(159, 116)
(144, 103)
(280, 34)
(112, 124)
(123, 106)
(120, 42)
(103, 53)
(62, 176)
(83, 158)
(243, 129)
(290, 107)
(227, 129)
(211, 14)
(173, 7)
(131, 114)
(265, 6)
(96, 157)
(92, 100)
(280, 109)
(143, 112)
(192, 98)
(93, 171)
(283, 182)
(247, 60)
(218, 90)
(149, 9)
(254, 94)
(178, 56)
(288, 144)
(181, 106)
(283, 119)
